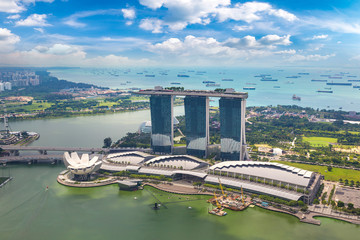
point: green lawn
(319, 141)
(334, 175)
(179, 144)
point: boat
(289, 82)
(175, 83)
(218, 212)
(325, 75)
(334, 77)
(213, 85)
(318, 80)
(139, 73)
(356, 86)
(324, 91)
(183, 75)
(227, 79)
(249, 88)
(303, 73)
(292, 76)
(351, 76)
(250, 83)
(149, 75)
(276, 86)
(338, 84)
(328, 88)
(296, 98)
(354, 80)
(208, 82)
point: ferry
(339, 84)
(249, 88)
(296, 98)
(227, 79)
(183, 75)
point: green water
(29, 212)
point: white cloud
(209, 50)
(34, 20)
(322, 36)
(16, 6)
(151, 24)
(184, 12)
(129, 13)
(16, 16)
(311, 57)
(73, 20)
(268, 41)
(65, 55)
(7, 40)
(242, 28)
(11, 6)
(41, 30)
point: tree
(329, 168)
(346, 182)
(340, 204)
(316, 201)
(350, 206)
(107, 142)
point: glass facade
(230, 128)
(162, 129)
(197, 125)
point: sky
(117, 33)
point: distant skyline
(114, 33)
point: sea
(290, 81)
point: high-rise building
(232, 128)
(197, 125)
(7, 85)
(162, 129)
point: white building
(7, 85)
(2, 87)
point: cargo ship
(249, 88)
(296, 98)
(268, 80)
(338, 84)
(149, 75)
(324, 91)
(303, 73)
(292, 76)
(227, 79)
(175, 83)
(335, 77)
(208, 82)
(354, 80)
(183, 75)
(212, 85)
(318, 80)
(356, 86)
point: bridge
(54, 158)
(69, 149)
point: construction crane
(222, 190)
(6, 124)
(217, 203)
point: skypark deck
(229, 93)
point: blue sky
(115, 33)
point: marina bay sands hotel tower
(232, 121)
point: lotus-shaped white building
(81, 167)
